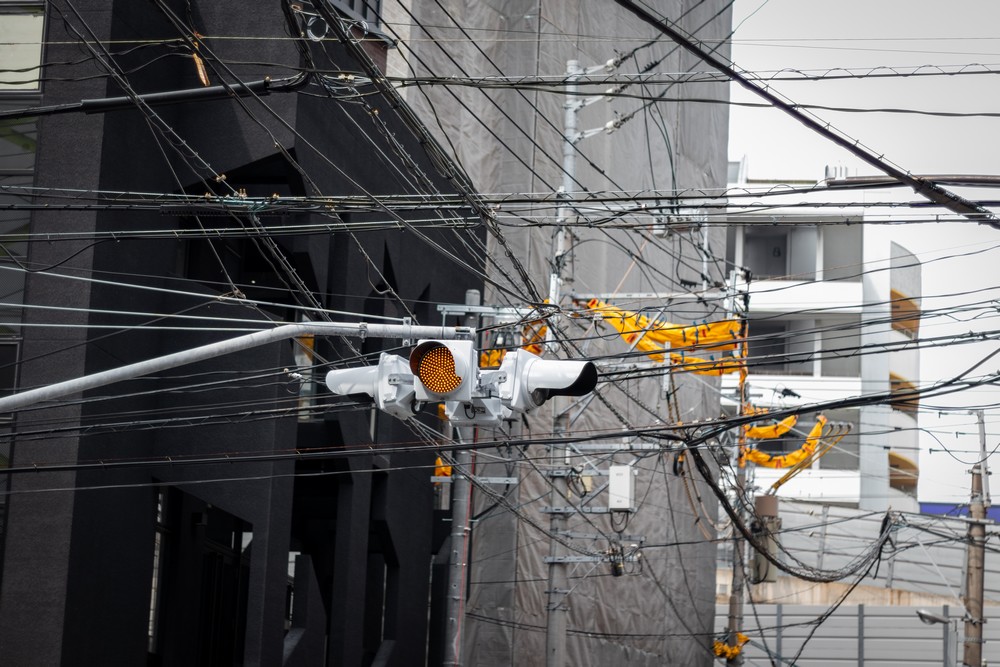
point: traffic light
(446, 371)
(529, 380)
(390, 384)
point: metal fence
(858, 635)
(926, 554)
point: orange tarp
(707, 339)
(793, 458)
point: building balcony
(838, 487)
(793, 296)
(767, 390)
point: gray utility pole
(571, 107)
(976, 554)
(555, 629)
(213, 350)
(739, 578)
(557, 611)
(461, 511)
(739, 544)
(461, 503)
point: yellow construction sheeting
(771, 431)
(491, 358)
(652, 337)
(721, 335)
(532, 338)
(441, 469)
(793, 458)
(704, 366)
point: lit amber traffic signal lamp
(446, 371)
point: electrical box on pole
(621, 489)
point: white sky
(901, 34)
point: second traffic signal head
(446, 371)
(389, 383)
(528, 380)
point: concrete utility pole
(557, 611)
(739, 580)
(461, 511)
(461, 501)
(976, 553)
(739, 544)
(555, 628)
(558, 587)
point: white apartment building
(833, 304)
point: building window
(775, 348)
(766, 254)
(839, 347)
(905, 314)
(21, 29)
(903, 473)
(905, 287)
(787, 252)
(18, 143)
(903, 394)
(366, 10)
(200, 582)
(843, 249)
(155, 595)
(21, 47)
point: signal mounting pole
(461, 501)
(212, 350)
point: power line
(928, 189)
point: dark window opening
(905, 397)
(766, 255)
(200, 578)
(365, 10)
(905, 314)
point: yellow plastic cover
(716, 341)
(792, 458)
(771, 431)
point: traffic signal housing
(446, 371)
(389, 383)
(529, 380)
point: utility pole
(557, 610)
(739, 545)
(558, 591)
(739, 560)
(461, 500)
(739, 580)
(558, 587)
(461, 511)
(976, 552)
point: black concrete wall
(78, 559)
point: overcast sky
(884, 36)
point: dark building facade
(219, 513)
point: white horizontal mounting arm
(212, 350)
